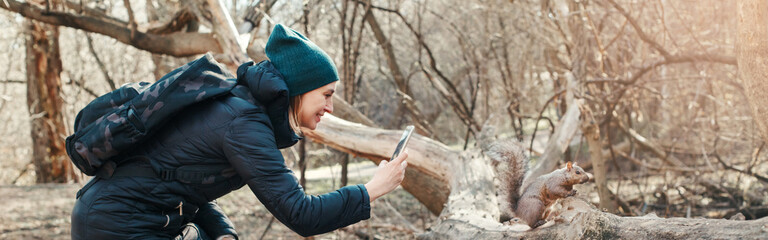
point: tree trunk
(303, 163)
(351, 43)
(592, 134)
(43, 89)
(752, 58)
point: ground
(43, 211)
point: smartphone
(403, 141)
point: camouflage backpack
(115, 122)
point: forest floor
(43, 211)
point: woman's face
(314, 104)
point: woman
(238, 137)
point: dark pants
(104, 212)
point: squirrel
(531, 204)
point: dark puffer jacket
(240, 134)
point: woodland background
(662, 100)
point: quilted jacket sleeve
(211, 218)
(251, 149)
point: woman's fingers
(401, 157)
(388, 176)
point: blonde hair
(293, 113)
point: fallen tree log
(594, 224)
(426, 177)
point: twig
(755, 156)
(748, 172)
(103, 68)
(454, 98)
(24, 171)
(650, 146)
(266, 15)
(383, 9)
(181, 19)
(363, 235)
(269, 225)
(12, 81)
(86, 89)
(662, 168)
(621, 31)
(407, 225)
(131, 19)
(541, 113)
(640, 31)
(731, 198)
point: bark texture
(752, 58)
(45, 104)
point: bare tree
(45, 103)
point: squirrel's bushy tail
(511, 165)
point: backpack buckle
(168, 175)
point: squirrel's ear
(570, 165)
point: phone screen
(403, 141)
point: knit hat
(304, 66)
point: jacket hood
(261, 84)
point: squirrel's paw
(572, 193)
(538, 224)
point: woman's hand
(388, 176)
(226, 237)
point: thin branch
(653, 147)
(101, 14)
(421, 123)
(383, 9)
(717, 186)
(643, 36)
(724, 59)
(621, 31)
(131, 19)
(657, 168)
(103, 68)
(269, 225)
(86, 89)
(729, 60)
(454, 98)
(23, 171)
(13, 81)
(747, 172)
(541, 114)
(180, 20)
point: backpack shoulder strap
(139, 166)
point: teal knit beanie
(304, 66)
